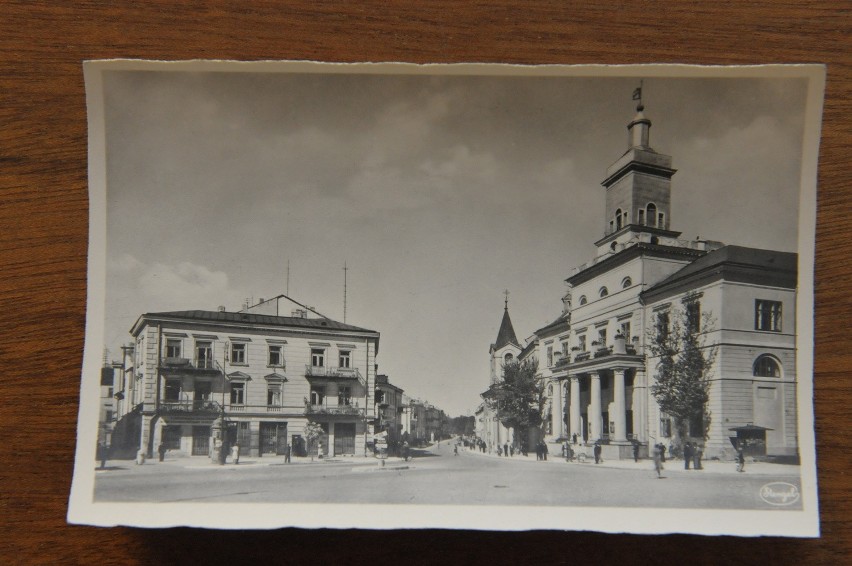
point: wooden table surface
(43, 238)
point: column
(574, 414)
(619, 418)
(595, 408)
(559, 409)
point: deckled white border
(83, 510)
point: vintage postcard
(458, 296)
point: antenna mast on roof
(287, 287)
(345, 269)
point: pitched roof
(258, 319)
(507, 333)
(738, 263)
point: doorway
(200, 440)
(273, 438)
(344, 439)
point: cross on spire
(506, 301)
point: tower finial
(637, 95)
(506, 301)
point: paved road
(436, 476)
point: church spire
(506, 335)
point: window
(603, 292)
(345, 359)
(276, 359)
(625, 329)
(618, 219)
(344, 395)
(238, 393)
(665, 425)
(204, 355)
(109, 392)
(662, 325)
(172, 390)
(641, 217)
(273, 395)
(108, 417)
(766, 366)
(171, 437)
(380, 397)
(508, 357)
(602, 336)
(767, 315)
(583, 300)
(626, 282)
(693, 317)
(581, 342)
(549, 356)
(173, 348)
(317, 394)
(238, 353)
(662, 220)
(317, 357)
(652, 213)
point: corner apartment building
(266, 372)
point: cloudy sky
(439, 192)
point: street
(435, 476)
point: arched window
(651, 214)
(603, 292)
(618, 219)
(767, 366)
(626, 282)
(583, 300)
(508, 357)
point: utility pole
(345, 270)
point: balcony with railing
(331, 372)
(240, 408)
(198, 365)
(334, 406)
(190, 406)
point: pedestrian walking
(662, 452)
(161, 451)
(687, 455)
(658, 459)
(511, 450)
(597, 451)
(287, 452)
(506, 449)
(697, 454)
(574, 437)
(544, 451)
(635, 451)
(740, 460)
(499, 451)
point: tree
(313, 431)
(518, 399)
(684, 366)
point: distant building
(388, 410)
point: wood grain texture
(43, 238)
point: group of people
(692, 453)
(506, 450)
(541, 451)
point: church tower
(638, 190)
(506, 348)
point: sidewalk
(671, 466)
(249, 462)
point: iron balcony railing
(334, 406)
(331, 371)
(240, 408)
(200, 406)
(199, 364)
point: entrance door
(273, 438)
(200, 440)
(344, 439)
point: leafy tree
(684, 366)
(519, 398)
(462, 426)
(313, 432)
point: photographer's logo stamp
(779, 493)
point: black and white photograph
(458, 296)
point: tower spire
(638, 130)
